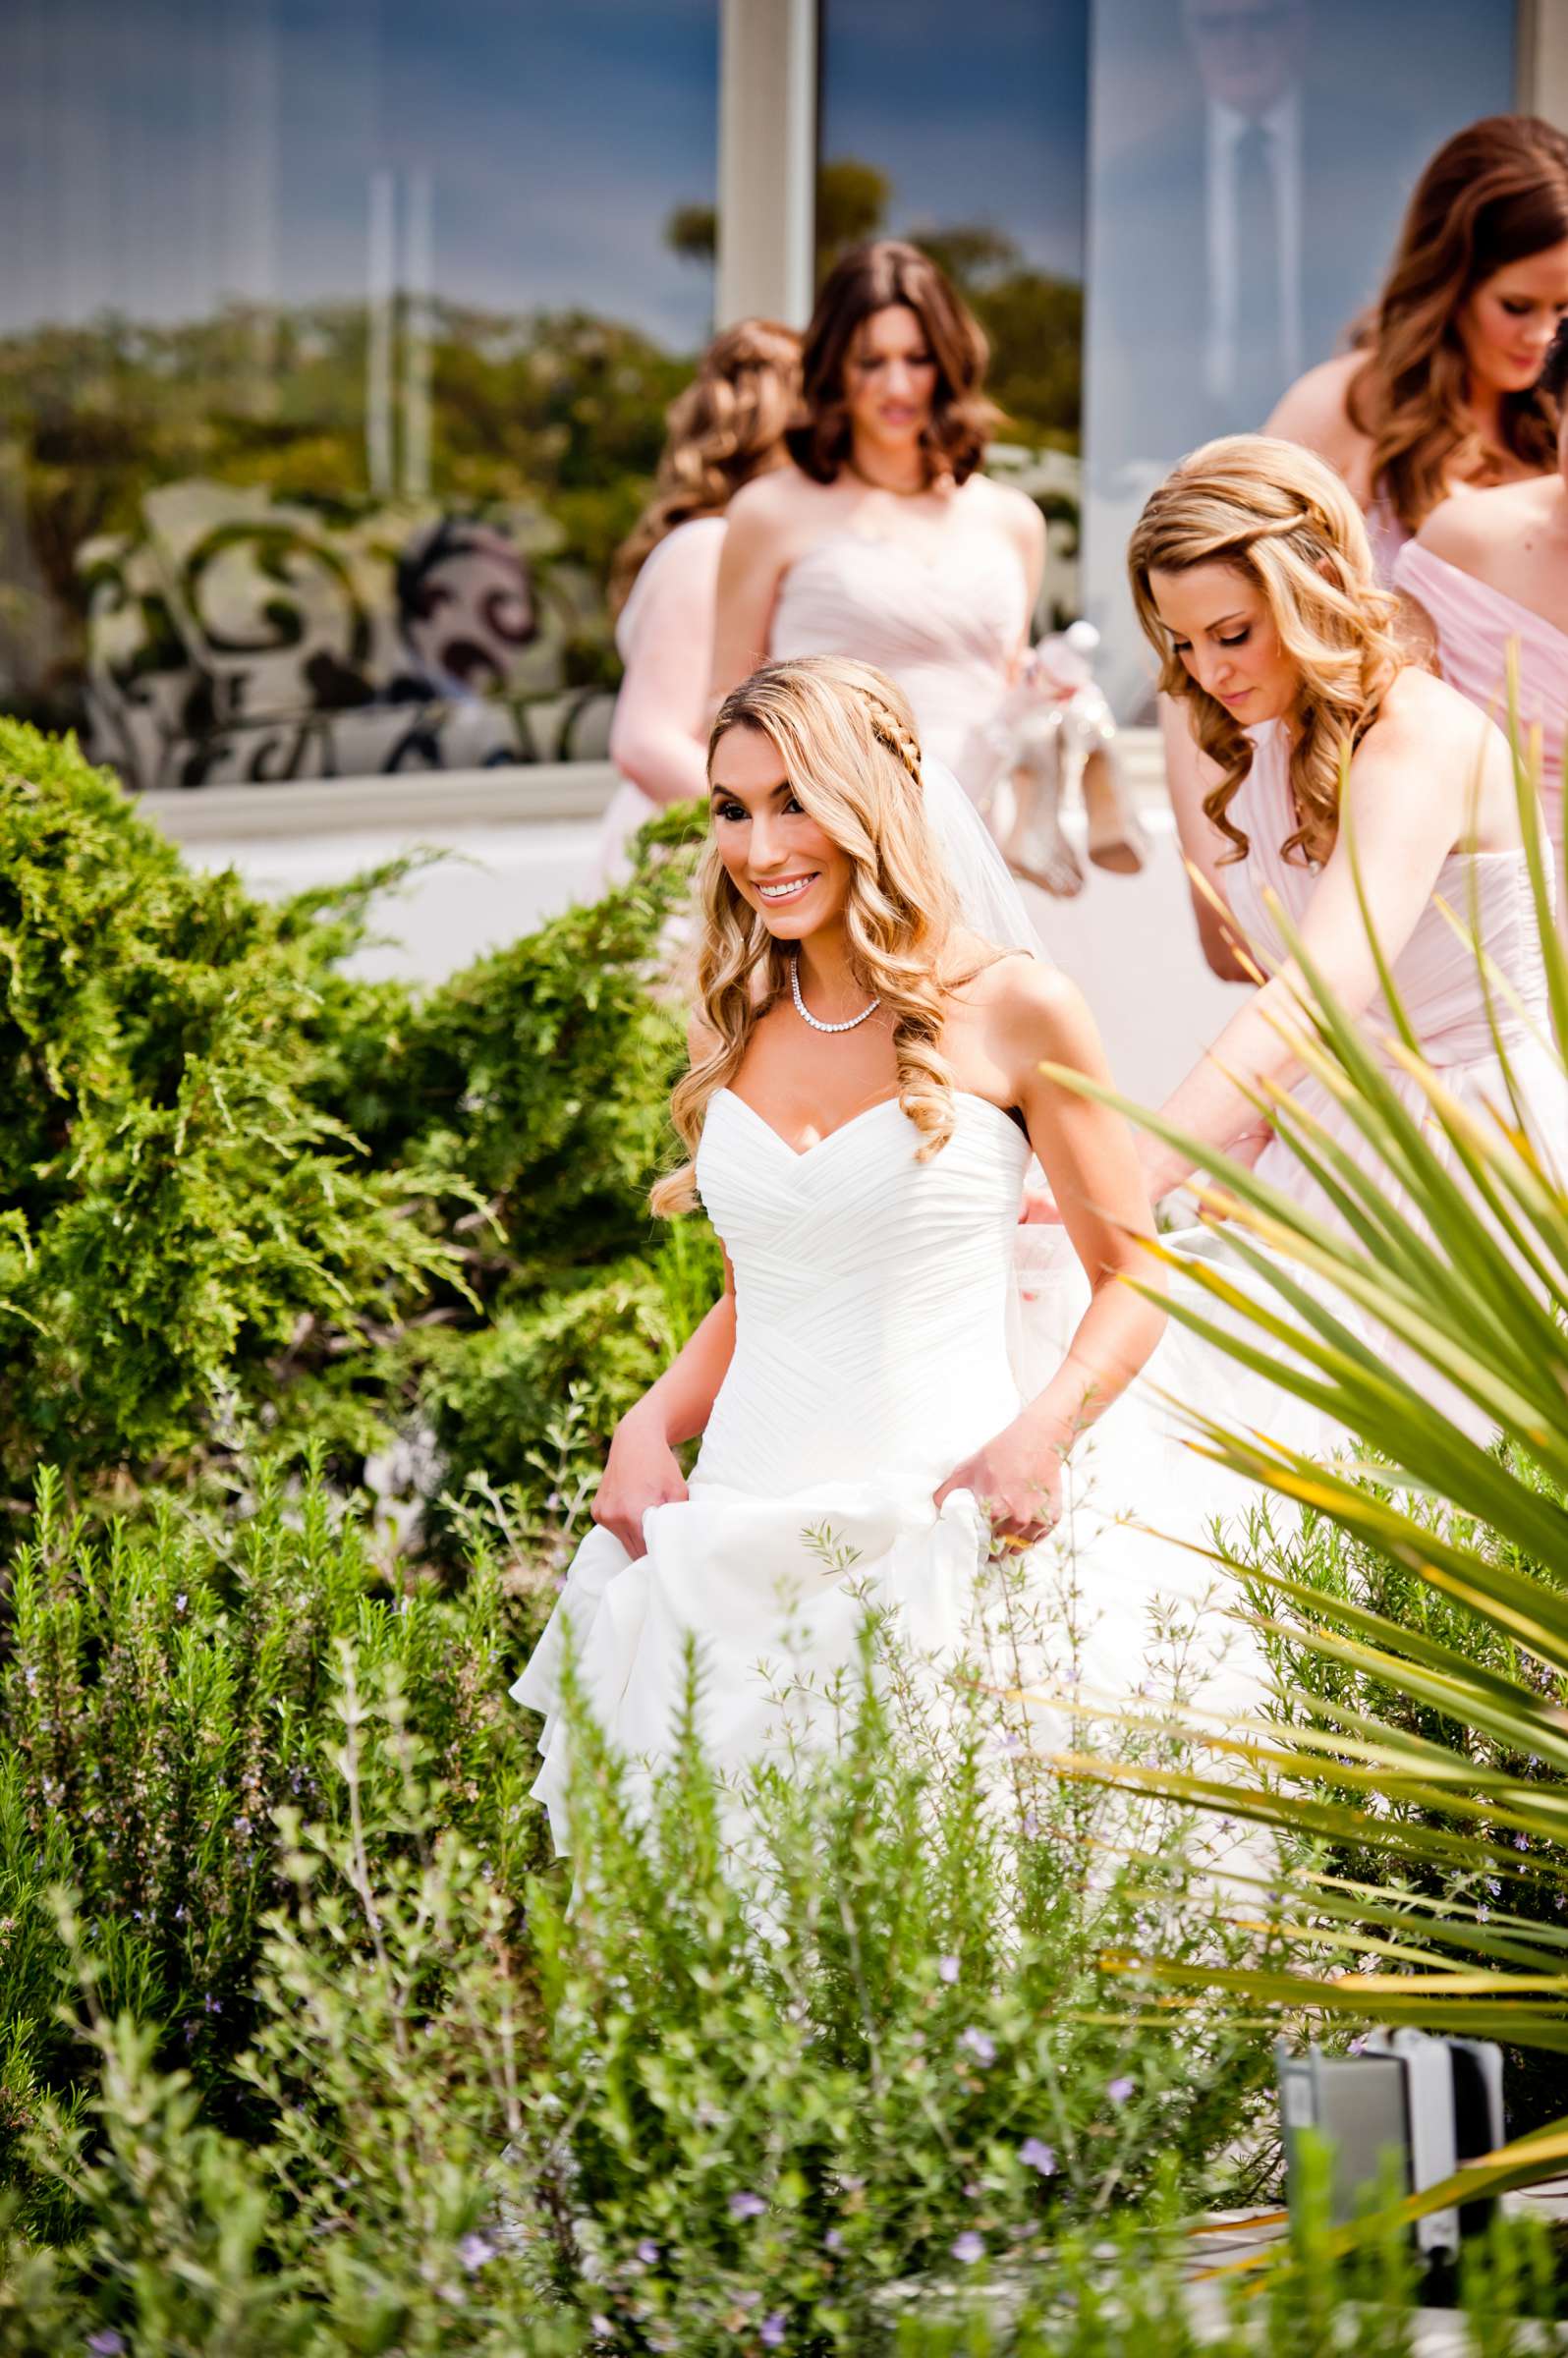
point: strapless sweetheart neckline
(802, 1153)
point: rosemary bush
(718, 2134)
(166, 1694)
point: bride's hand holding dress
(641, 1470)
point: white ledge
(522, 794)
(406, 806)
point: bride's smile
(778, 859)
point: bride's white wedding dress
(877, 1345)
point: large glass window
(335, 342)
(965, 134)
(1248, 164)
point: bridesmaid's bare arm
(1316, 412)
(658, 738)
(1025, 528)
(755, 554)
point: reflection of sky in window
(1377, 92)
(976, 115)
(157, 157)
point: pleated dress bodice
(872, 1295)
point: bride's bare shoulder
(1021, 1000)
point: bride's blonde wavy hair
(846, 736)
(1285, 519)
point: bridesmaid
(1254, 582)
(1490, 570)
(726, 427)
(1441, 390)
(883, 540)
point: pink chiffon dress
(1475, 625)
(1436, 976)
(946, 628)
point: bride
(863, 1097)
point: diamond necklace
(815, 1023)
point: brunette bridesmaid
(884, 539)
(1441, 390)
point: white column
(766, 161)
(1544, 60)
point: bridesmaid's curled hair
(1283, 518)
(725, 427)
(869, 279)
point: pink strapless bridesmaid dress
(946, 628)
(1474, 625)
(1436, 976)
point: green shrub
(245, 1198)
(166, 1694)
(814, 2033)
(731, 2131)
(177, 1209)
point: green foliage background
(245, 1199)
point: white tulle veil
(988, 899)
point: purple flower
(982, 2046)
(746, 2206)
(1520, 1841)
(1482, 1913)
(947, 1969)
(1037, 2156)
(180, 1603)
(1121, 2089)
(774, 2330)
(106, 2342)
(832, 2241)
(474, 2250)
(647, 2251)
(973, 2191)
(601, 2324)
(968, 2247)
